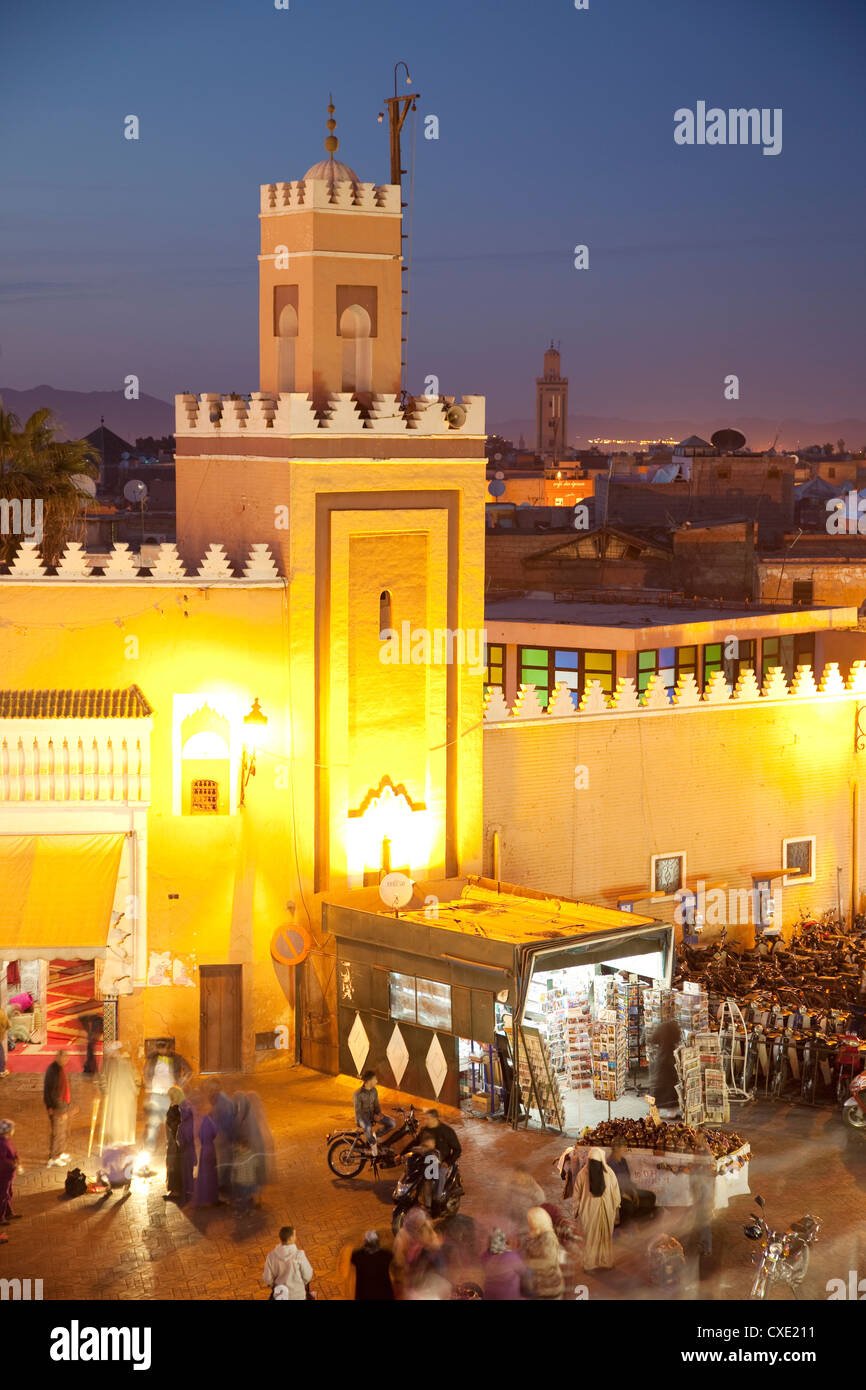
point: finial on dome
(332, 144)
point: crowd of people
(219, 1151)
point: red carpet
(71, 993)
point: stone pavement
(139, 1247)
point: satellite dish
(728, 441)
(456, 416)
(135, 490)
(396, 890)
(85, 484)
(496, 488)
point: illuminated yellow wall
(722, 784)
(232, 875)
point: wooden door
(220, 1018)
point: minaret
(551, 406)
(330, 282)
(371, 508)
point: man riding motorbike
(447, 1147)
(368, 1111)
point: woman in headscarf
(416, 1259)
(206, 1183)
(571, 1241)
(596, 1203)
(9, 1166)
(173, 1169)
(542, 1255)
(503, 1269)
(186, 1149)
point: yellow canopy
(56, 895)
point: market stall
(674, 1161)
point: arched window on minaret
(287, 333)
(385, 623)
(355, 329)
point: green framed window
(797, 649)
(548, 667)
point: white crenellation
(747, 687)
(215, 564)
(293, 412)
(122, 563)
(561, 704)
(305, 194)
(168, 564)
(260, 564)
(75, 561)
(28, 562)
(527, 705)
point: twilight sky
(556, 128)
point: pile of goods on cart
(662, 1137)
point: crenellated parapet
(656, 699)
(308, 194)
(121, 565)
(294, 413)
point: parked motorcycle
(782, 1256)
(410, 1190)
(349, 1152)
(854, 1108)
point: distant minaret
(551, 406)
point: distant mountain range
(760, 432)
(78, 412)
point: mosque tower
(372, 508)
(551, 393)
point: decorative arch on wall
(287, 335)
(206, 746)
(356, 328)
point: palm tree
(35, 464)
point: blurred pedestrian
(186, 1150)
(571, 1243)
(161, 1071)
(57, 1098)
(634, 1200)
(173, 1166)
(370, 1265)
(664, 1041)
(287, 1271)
(417, 1254)
(9, 1166)
(542, 1255)
(4, 1030)
(120, 1088)
(503, 1269)
(206, 1184)
(223, 1113)
(596, 1203)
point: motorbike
(854, 1108)
(349, 1152)
(782, 1256)
(409, 1191)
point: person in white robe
(596, 1203)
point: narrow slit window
(385, 611)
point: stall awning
(56, 895)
